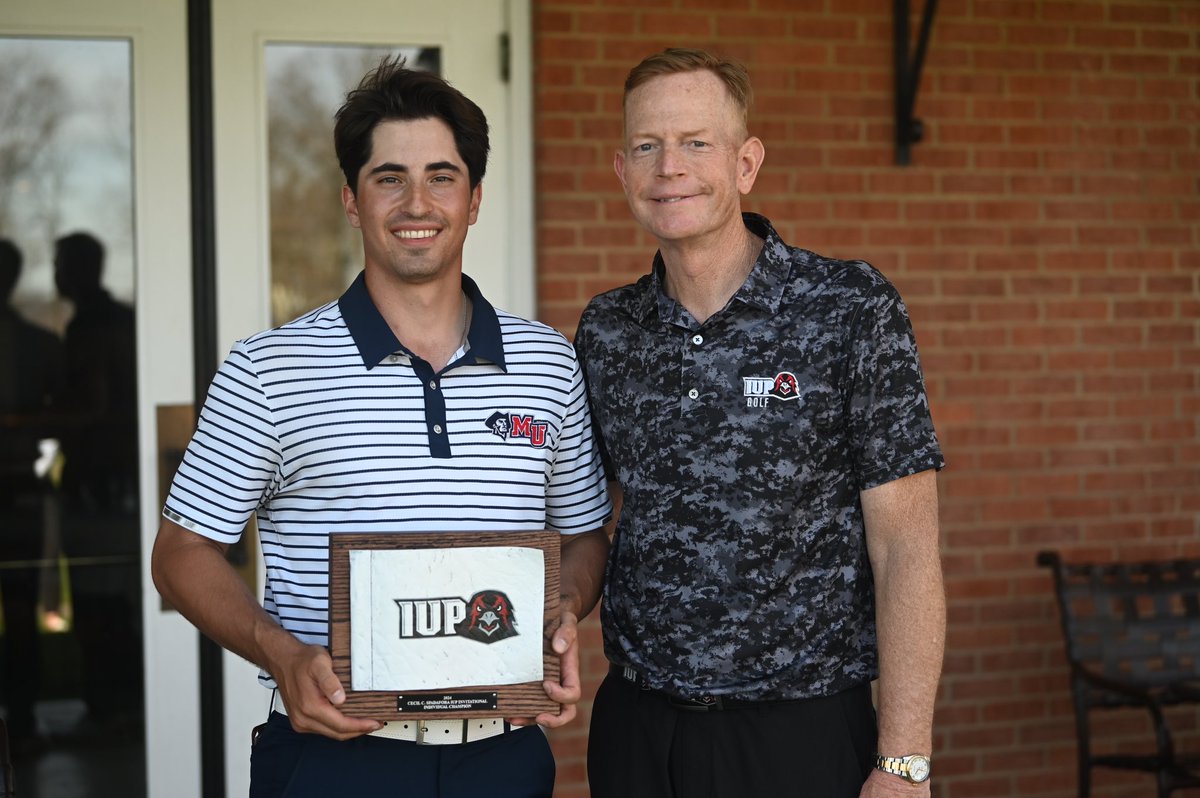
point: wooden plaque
(525, 699)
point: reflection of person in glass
(370, 414)
(30, 367)
(99, 438)
(101, 470)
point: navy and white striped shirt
(328, 424)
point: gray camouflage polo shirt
(739, 566)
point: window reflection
(65, 161)
(69, 538)
(314, 252)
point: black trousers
(643, 747)
(285, 764)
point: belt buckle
(421, 729)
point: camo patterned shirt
(739, 566)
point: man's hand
(565, 643)
(887, 785)
(312, 694)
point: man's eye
(643, 148)
(698, 144)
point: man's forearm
(583, 558)
(902, 537)
(194, 576)
(911, 622)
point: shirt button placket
(690, 368)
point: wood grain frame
(526, 699)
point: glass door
(95, 268)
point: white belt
(432, 732)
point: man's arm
(582, 567)
(901, 520)
(617, 497)
(191, 572)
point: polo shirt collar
(763, 288)
(375, 339)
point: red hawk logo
(786, 386)
(489, 618)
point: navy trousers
(641, 746)
(285, 764)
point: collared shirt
(328, 424)
(741, 444)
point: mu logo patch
(513, 426)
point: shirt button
(433, 385)
(437, 428)
(393, 358)
(697, 339)
(692, 394)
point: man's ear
(476, 198)
(350, 203)
(619, 166)
(750, 160)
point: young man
(370, 414)
(762, 414)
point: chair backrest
(1136, 622)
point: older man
(764, 419)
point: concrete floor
(76, 758)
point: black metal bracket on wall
(909, 129)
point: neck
(704, 277)
(430, 319)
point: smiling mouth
(668, 200)
(415, 234)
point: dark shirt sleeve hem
(903, 468)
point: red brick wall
(1046, 240)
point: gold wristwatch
(913, 768)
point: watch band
(913, 768)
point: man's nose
(415, 201)
(670, 162)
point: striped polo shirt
(328, 424)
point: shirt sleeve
(891, 430)
(233, 458)
(576, 494)
(583, 339)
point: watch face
(918, 768)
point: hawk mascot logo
(489, 618)
(785, 386)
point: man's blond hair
(679, 60)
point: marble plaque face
(435, 619)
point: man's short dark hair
(10, 268)
(391, 91)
